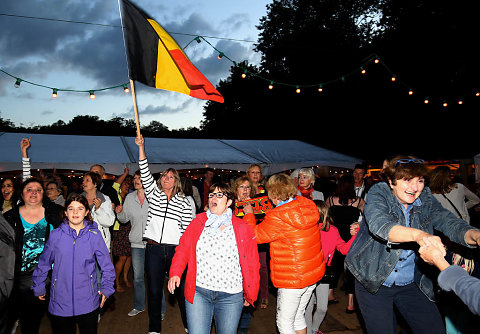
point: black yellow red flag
(156, 60)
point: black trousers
(87, 323)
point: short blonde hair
(281, 187)
(308, 172)
(238, 182)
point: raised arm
(26, 167)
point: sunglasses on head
(406, 161)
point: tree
(313, 42)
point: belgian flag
(156, 60)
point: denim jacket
(372, 256)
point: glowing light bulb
(298, 90)
(55, 93)
(92, 94)
(410, 92)
(244, 75)
(363, 71)
(125, 88)
(270, 86)
(394, 79)
(377, 61)
(426, 101)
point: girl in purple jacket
(72, 249)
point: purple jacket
(74, 281)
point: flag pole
(132, 85)
(135, 109)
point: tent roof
(115, 153)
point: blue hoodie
(74, 281)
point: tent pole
(135, 109)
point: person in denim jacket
(400, 215)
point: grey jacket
(137, 214)
(372, 256)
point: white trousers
(319, 297)
(291, 304)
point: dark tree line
(88, 125)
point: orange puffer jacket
(295, 244)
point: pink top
(331, 240)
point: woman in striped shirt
(169, 214)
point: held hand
(119, 208)
(247, 208)
(97, 202)
(42, 297)
(472, 237)
(354, 228)
(103, 298)
(421, 236)
(173, 282)
(24, 146)
(433, 255)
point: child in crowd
(73, 248)
(331, 240)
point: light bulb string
(365, 61)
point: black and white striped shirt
(167, 220)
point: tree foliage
(429, 45)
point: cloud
(47, 112)
(151, 109)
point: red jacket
(186, 253)
(295, 246)
(332, 240)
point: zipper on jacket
(73, 275)
(91, 284)
(53, 289)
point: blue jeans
(418, 311)
(158, 259)
(138, 265)
(225, 307)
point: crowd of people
(225, 246)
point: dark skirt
(121, 244)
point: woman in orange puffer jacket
(297, 261)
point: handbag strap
(458, 212)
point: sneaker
(134, 312)
(153, 332)
(163, 316)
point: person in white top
(169, 214)
(453, 196)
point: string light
(410, 92)
(244, 74)
(376, 61)
(298, 90)
(460, 101)
(17, 83)
(270, 86)
(198, 39)
(92, 94)
(125, 88)
(55, 93)
(220, 55)
(362, 70)
(320, 88)
(426, 101)
(393, 79)
(445, 104)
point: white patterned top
(218, 264)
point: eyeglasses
(406, 161)
(218, 195)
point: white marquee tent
(116, 153)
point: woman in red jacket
(297, 262)
(223, 266)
